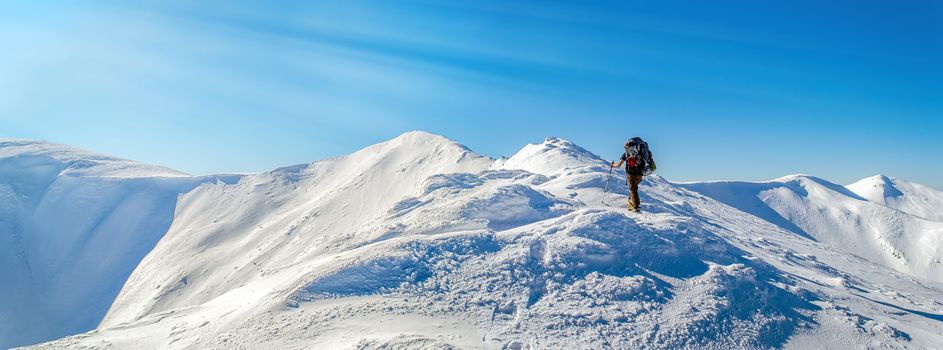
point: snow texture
(420, 243)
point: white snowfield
(421, 243)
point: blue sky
(746, 90)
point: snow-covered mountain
(73, 226)
(419, 242)
(915, 199)
(870, 218)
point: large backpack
(638, 149)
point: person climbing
(638, 164)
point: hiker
(638, 163)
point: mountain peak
(879, 179)
(878, 188)
(419, 135)
(558, 141)
(796, 177)
(909, 197)
(420, 140)
(553, 157)
(805, 182)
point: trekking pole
(607, 178)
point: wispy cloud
(241, 82)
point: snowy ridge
(908, 197)
(835, 215)
(76, 162)
(419, 242)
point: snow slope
(419, 242)
(73, 226)
(228, 235)
(835, 215)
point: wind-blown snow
(419, 242)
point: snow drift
(419, 242)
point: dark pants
(633, 180)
